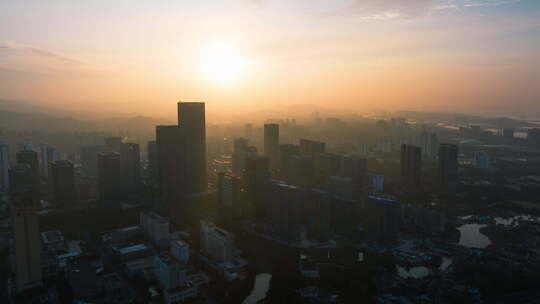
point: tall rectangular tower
(411, 165)
(448, 168)
(191, 118)
(4, 165)
(62, 182)
(109, 182)
(130, 160)
(30, 158)
(27, 245)
(271, 145)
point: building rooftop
(133, 248)
(52, 236)
(168, 259)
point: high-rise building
(113, 144)
(27, 246)
(155, 228)
(216, 243)
(170, 164)
(411, 166)
(448, 168)
(383, 218)
(301, 171)
(286, 151)
(256, 178)
(130, 159)
(180, 250)
(228, 190)
(311, 148)
(241, 150)
(153, 175)
(62, 182)
(48, 155)
(429, 143)
(271, 145)
(191, 118)
(4, 165)
(109, 176)
(170, 272)
(89, 159)
(329, 164)
(481, 160)
(30, 158)
(20, 180)
(355, 168)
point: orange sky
(139, 56)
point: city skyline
(447, 55)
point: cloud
(21, 57)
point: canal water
(470, 236)
(262, 284)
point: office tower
(180, 250)
(228, 190)
(376, 183)
(171, 170)
(30, 158)
(301, 171)
(355, 168)
(481, 160)
(62, 182)
(20, 180)
(383, 219)
(191, 118)
(170, 272)
(240, 152)
(311, 148)
(109, 176)
(4, 165)
(130, 163)
(341, 186)
(271, 145)
(89, 159)
(113, 144)
(155, 228)
(216, 243)
(27, 246)
(429, 143)
(286, 151)
(329, 164)
(248, 131)
(448, 168)
(282, 201)
(256, 178)
(152, 176)
(48, 155)
(411, 166)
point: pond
(470, 236)
(262, 284)
(419, 272)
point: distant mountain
(37, 121)
(458, 118)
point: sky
(139, 56)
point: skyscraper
(109, 176)
(429, 143)
(355, 168)
(181, 153)
(130, 160)
(311, 148)
(27, 246)
(240, 152)
(191, 118)
(62, 182)
(256, 178)
(30, 158)
(48, 155)
(113, 144)
(4, 165)
(89, 159)
(152, 163)
(271, 145)
(448, 168)
(481, 160)
(286, 151)
(411, 165)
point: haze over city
(135, 56)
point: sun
(222, 63)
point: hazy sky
(141, 56)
